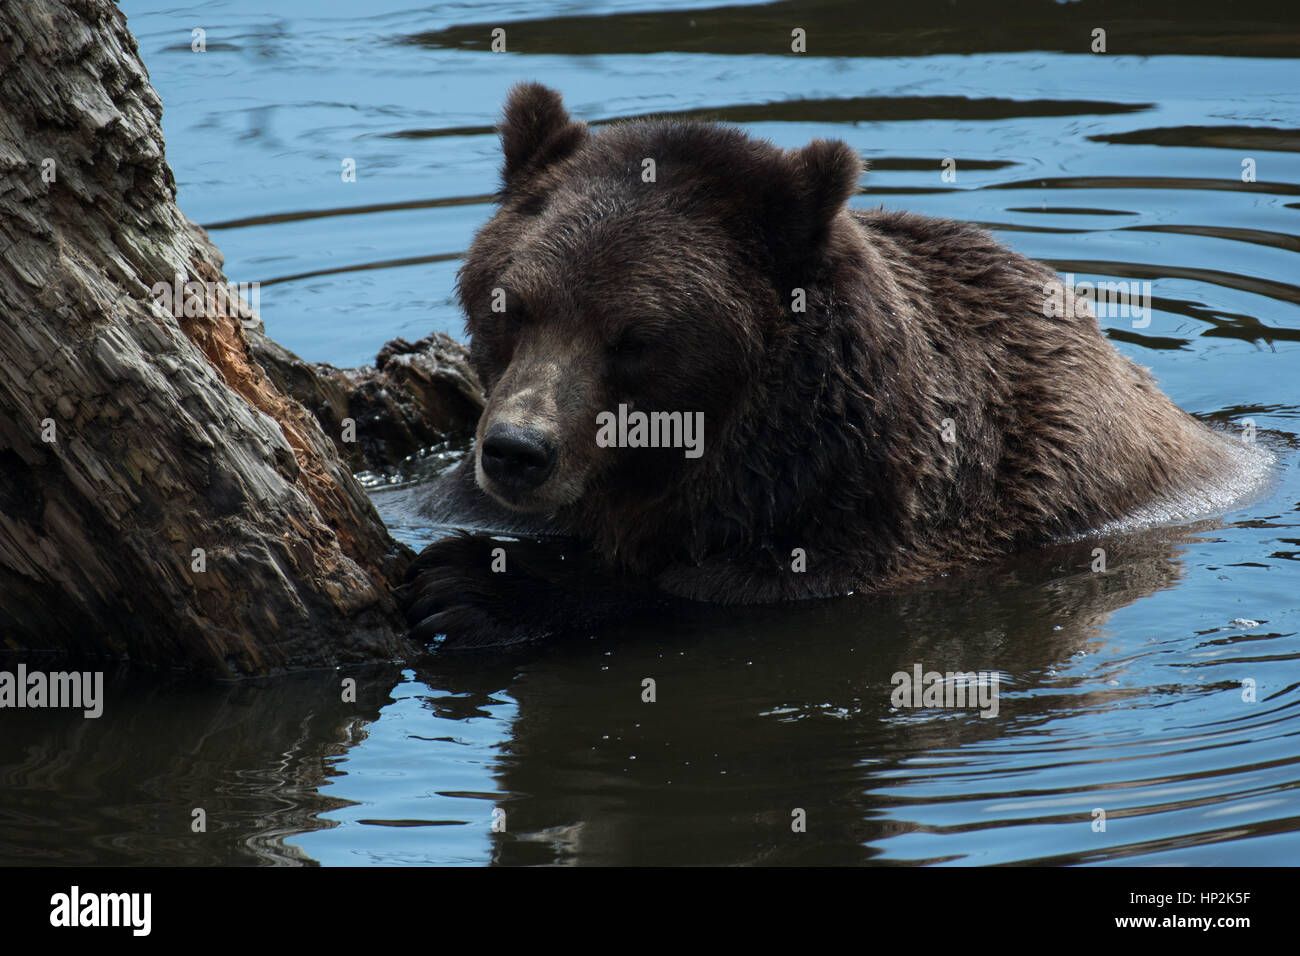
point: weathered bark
(416, 394)
(131, 440)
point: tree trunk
(416, 394)
(161, 497)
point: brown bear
(721, 384)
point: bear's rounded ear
(536, 131)
(828, 172)
(807, 188)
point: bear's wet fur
(922, 410)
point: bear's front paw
(461, 593)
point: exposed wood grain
(130, 438)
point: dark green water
(1121, 691)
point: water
(1121, 692)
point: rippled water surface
(1172, 158)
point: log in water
(163, 498)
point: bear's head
(651, 267)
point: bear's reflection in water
(758, 711)
(762, 711)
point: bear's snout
(517, 458)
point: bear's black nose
(517, 457)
